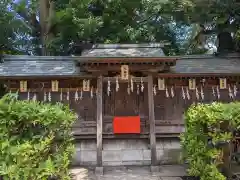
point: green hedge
(36, 140)
(207, 127)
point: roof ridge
(126, 46)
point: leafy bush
(208, 128)
(36, 140)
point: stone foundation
(127, 152)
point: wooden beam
(120, 60)
(50, 90)
(132, 67)
(199, 75)
(112, 136)
(49, 77)
(152, 121)
(99, 120)
(135, 79)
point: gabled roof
(125, 50)
(28, 66)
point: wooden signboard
(86, 85)
(223, 83)
(161, 84)
(192, 84)
(23, 86)
(55, 86)
(124, 72)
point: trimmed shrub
(209, 129)
(36, 140)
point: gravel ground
(130, 173)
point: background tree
(207, 19)
(52, 27)
(13, 30)
(57, 25)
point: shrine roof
(207, 64)
(124, 50)
(37, 66)
(28, 66)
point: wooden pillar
(99, 169)
(152, 121)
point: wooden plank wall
(87, 113)
(168, 111)
(123, 104)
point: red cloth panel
(126, 125)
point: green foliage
(36, 141)
(206, 122)
(121, 21)
(13, 30)
(206, 19)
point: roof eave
(46, 76)
(125, 59)
(197, 75)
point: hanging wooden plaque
(124, 72)
(55, 86)
(86, 85)
(223, 83)
(161, 84)
(192, 84)
(23, 86)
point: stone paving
(130, 173)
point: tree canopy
(52, 27)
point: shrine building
(129, 99)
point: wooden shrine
(124, 91)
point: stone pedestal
(99, 171)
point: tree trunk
(43, 20)
(226, 170)
(226, 148)
(47, 13)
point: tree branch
(32, 22)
